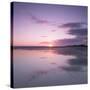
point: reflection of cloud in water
(53, 63)
(41, 73)
(37, 74)
(50, 66)
(75, 65)
(79, 62)
(43, 57)
(71, 68)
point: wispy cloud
(73, 25)
(38, 20)
(44, 43)
(53, 30)
(43, 36)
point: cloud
(66, 42)
(38, 20)
(53, 30)
(77, 29)
(73, 25)
(44, 36)
(78, 32)
(45, 43)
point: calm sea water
(50, 66)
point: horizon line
(51, 46)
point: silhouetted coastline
(45, 47)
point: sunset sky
(49, 25)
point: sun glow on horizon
(50, 45)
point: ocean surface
(49, 66)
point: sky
(36, 24)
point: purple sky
(47, 24)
